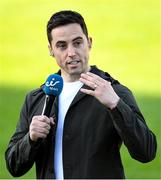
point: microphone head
(53, 85)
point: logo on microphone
(51, 84)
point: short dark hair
(63, 18)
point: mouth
(73, 62)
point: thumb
(52, 121)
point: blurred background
(126, 43)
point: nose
(71, 51)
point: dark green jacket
(92, 137)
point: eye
(77, 43)
(62, 46)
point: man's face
(70, 48)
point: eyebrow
(60, 42)
(77, 38)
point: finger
(45, 119)
(52, 121)
(36, 135)
(93, 80)
(86, 76)
(40, 129)
(95, 77)
(40, 124)
(88, 83)
(39, 135)
(87, 91)
(44, 125)
(41, 118)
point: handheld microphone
(52, 88)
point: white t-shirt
(66, 97)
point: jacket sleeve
(21, 152)
(132, 128)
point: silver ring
(95, 86)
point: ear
(50, 50)
(90, 42)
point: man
(89, 121)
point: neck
(72, 77)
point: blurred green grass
(126, 43)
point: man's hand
(40, 127)
(102, 89)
